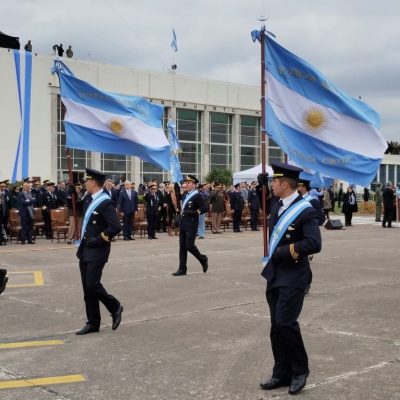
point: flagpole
(263, 144)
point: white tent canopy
(250, 175)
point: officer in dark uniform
(6, 205)
(237, 205)
(254, 205)
(193, 205)
(49, 203)
(36, 193)
(153, 208)
(100, 225)
(288, 273)
(3, 280)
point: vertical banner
(23, 72)
(175, 147)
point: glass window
(391, 173)
(250, 142)
(220, 141)
(382, 174)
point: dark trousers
(186, 244)
(47, 223)
(387, 216)
(151, 225)
(348, 215)
(285, 305)
(237, 218)
(162, 219)
(3, 273)
(94, 292)
(254, 219)
(4, 221)
(127, 224)
(26, 232)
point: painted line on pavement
(37, 278)
(52, 380)
(16, 345)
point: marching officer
(100, 225)
(294, 235)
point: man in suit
(153, 208)
(388, 196)
(50, 202)
(193, 205)
(113, 193)
(26, 203)
(128, 205)
(100, 225)
(237, 206)
(5, 200)
(61, 195)
(254, 205)
(294, 235)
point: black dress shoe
(154, 237)
(3, 284)
(116, 317)
(126, 238)
(179, 272)
(31, 242)
(273, 383)
(204, 264)
(131, 238)
(298, 383)
(87, 329)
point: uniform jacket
(49, 201)
(253, 200)
(217, 201)
(378, 196)
(347, 207)
(153, 205)
(6, 200)
(237, 201)
(126, 205)
(104, 219)
(388, 198)
(305, 234)
(190, 213)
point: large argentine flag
(316, 124)
(111, 123)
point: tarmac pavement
(200, 336)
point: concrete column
(95, 160)
(204, 156)
(235, 142)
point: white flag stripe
(134, 129)
(341, 131)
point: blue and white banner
(23, 71)
(111, 123)
(315, 123)
(175, 147)
(174, 43)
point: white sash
(88, 213)
(290, 215)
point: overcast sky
(355, 43)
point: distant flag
(174, 43)
(175, 148)
(23, 71)
(111, 123)
(315, 123)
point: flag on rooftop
(315, 123)
(174, 43)
(112, 123)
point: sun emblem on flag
(117, 125)
(314, 120)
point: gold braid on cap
(277, 175)
(106, 238)
(292, 252)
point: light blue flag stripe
(80, 137)
(21, 164)
(306, 80)
(324, 157)
(82, 92)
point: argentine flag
(111, 123)
(315, 123)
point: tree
(220, 175)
